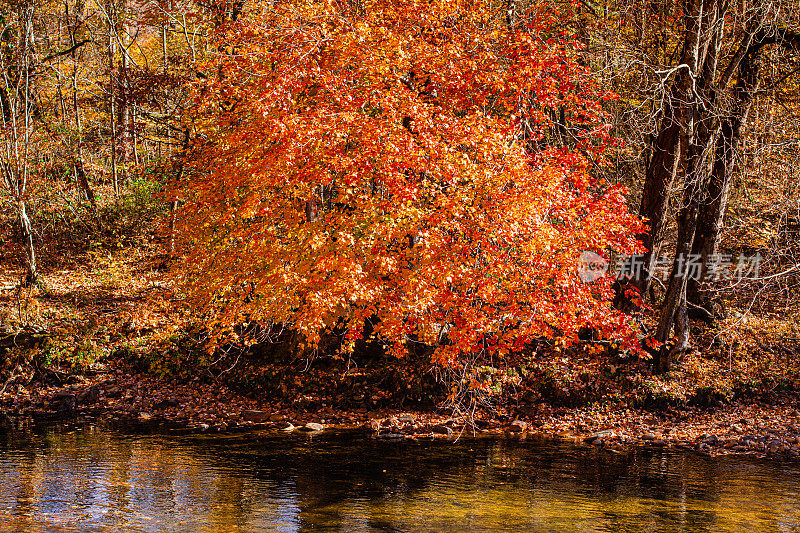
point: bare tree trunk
(673, 310)
(77, 164)
(112, 115)
(712, 209)
(699, 133)
(659, 177)
(133, 136)
(666, 147)
(18, 105)
(31, 272)
(124, 109)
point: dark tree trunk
(666, 147)
(659, 177)
(700, 132)
(712, 209)
(673, 310)
(86, 188)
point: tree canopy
(397, 163)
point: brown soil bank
(768, 429)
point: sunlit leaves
(398, 164)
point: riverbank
(755, 428)
(109, 338)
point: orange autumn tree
(396, 161)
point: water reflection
(101, 480)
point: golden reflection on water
(102, 480)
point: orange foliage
(399, 162)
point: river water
(91, 479)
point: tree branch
(67, 51)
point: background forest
(164, 162)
